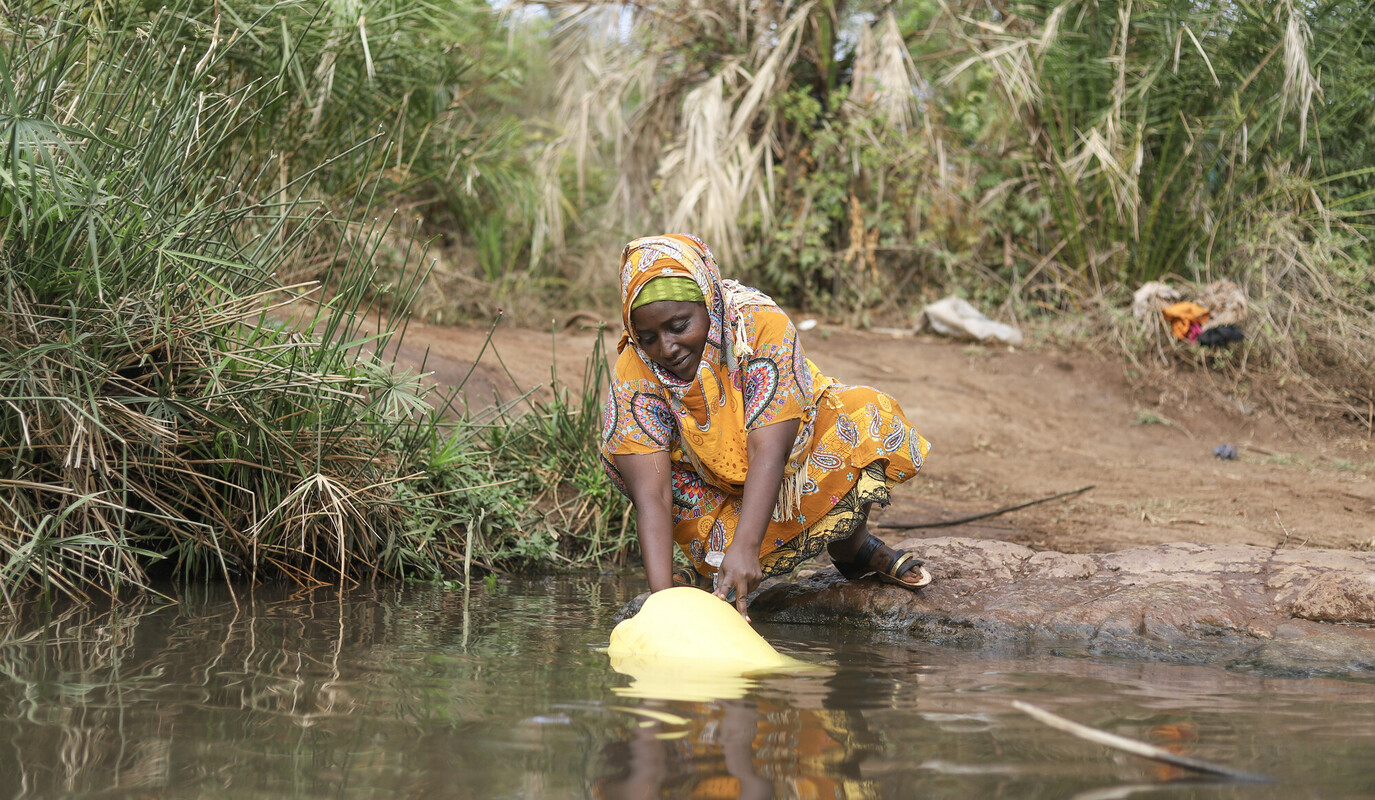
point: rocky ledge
(1281, 612)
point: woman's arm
(767, 449)
(648, 478)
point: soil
(1012, 425)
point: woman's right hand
(739, 573)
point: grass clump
(548, 501)
(157, 417)
(150, 415)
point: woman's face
(673, 334)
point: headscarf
(684, 255)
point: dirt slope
(1012, 425)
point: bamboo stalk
(1135, 747)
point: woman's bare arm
(648, 477)
(767, 448)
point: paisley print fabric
(761, 386)
(827, 462)
(653, 418)
(896, 438)
(845, 427)
(915, 451)
(872, 487)
(754, 372)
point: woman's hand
(767, 451)
(739, 573)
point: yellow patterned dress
(853, 443)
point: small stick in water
(1134, 747)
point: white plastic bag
(954, 316)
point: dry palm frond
(599, 73)
(885, 77)
(602, 70)
(1050, 31)
(1010, 60)
(720, 154)
(1300, 85)
(318, 511)
(689, 143)
(549, 224)
(1208, 62)
(704, 170)
(1098, 156)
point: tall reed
(156, 417)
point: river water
(421, 691)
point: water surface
(411, 691)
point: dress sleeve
(636, 418)
(776, 382)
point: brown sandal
(903, 563)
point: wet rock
(1286, 612)
(1337, 597)
(1062, 565)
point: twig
(907, 526)
(1134, 747)
(1286, 532)
(1285, 540)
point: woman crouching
(732, 444)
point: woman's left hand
(739, 572)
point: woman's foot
(687, 576)
(897, 567)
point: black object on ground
(1220, 336)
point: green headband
(668, 288)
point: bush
(158, 415)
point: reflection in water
(410, 692)
(739, 748)
(312, 692)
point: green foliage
(168, 405)
(538, 494)
(847, 225)
(1158, 127)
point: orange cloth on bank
(1182, 315)
(753, 373)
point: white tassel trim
(742, 339)
(790, 495)
(736, 298)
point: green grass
(157, 420)
(1144, 417)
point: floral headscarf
(684, 255)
